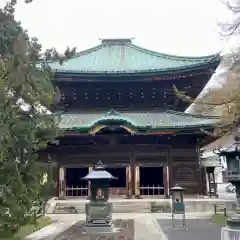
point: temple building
(118, 105)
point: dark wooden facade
(178, 155)
(140, 90)
(129, 93)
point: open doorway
(151, 181)
(117, 186)
(75, 186)
(120, 173)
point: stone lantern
(232, 154)
(210, 163)
(178, 206)
(99, 210)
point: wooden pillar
(211, 186)
(90, 169)
(214, 183)
(57, 181)
(170, 175)
(137, 181)
(62, 183)
(166, 181)
(133, 165)
(128, 182)
(200, 179)
(204, 181)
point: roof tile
(155, 120)
(123, 56)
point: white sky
(181, 27)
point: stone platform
(76, 232)
(77, 206)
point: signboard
(179, 208)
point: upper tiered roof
(117, 56)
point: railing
(151, 190)
(118, 191)
(82, 191)
(78, 191)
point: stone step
(141, 207)
(73, 208)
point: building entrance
(75, 186)
(117, 186)
(151, 181)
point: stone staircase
(69, 208)
(118, 207)
(139, 206)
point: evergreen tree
(26, 125)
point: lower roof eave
(116, 74)
(202, 130)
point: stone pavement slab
(51, 231)
(146, 228)
(76, 232)
(197, 229)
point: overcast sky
(182, 27)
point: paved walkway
(51, 231)
(197, 229)
(146, 226)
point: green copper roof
(211, 161)
(137, 120)
(121, 56)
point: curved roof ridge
(83, 52)
(127, 58)
(172, 56)
(143, 49)
(89, 50)
(191, 114)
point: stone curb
(163, 235)
(50, 232)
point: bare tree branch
(201, 101)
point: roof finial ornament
(116, 40)
(112, 112)
(99, 165)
